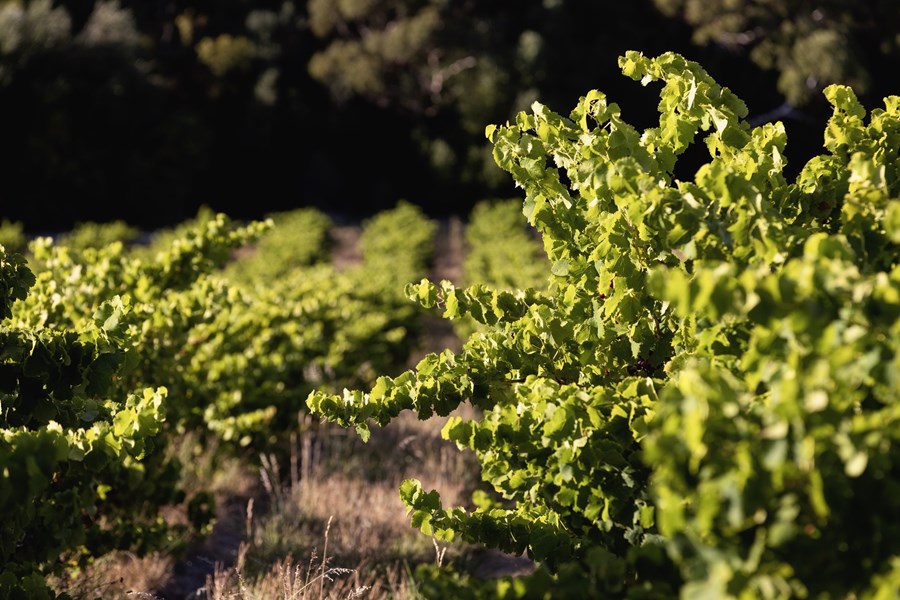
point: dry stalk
(439, 552)
(325, 553)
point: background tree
(809, 43)
(144, 111)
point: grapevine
(702, 400)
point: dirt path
(449, 251)
(345, 250)
(218, 550)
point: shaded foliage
(809, 43)
(143, 111)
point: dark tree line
(146, 110)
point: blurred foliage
(810, 43)
(12, 236)
(110, 24)
(299, 238)
(28, 29)
(225, 53)
(143, 111)
(503, 250)
(398, 245)
(98, 235)
(163, 239)
(381, 51)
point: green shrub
(298, 239)
(501, 251)
(98, 235)
(398, 244)
(703, 401)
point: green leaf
(892, 221)
(560, 268)
(362, 430)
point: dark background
(144, 111)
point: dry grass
(314, 579)
(324, 522)
(331, 533)
(367, 522)
(354, 488)
(119, 575)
